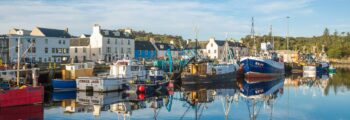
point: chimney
(96, 28)
(212, 39)
(151, 39)
(66, 30)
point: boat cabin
(128, 69)
(75, 70)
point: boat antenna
(18, 58)
(273, 40)
(253, 36)
(196, 39)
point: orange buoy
(141, 96)
(141, 88)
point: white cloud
(283, 6)
(160, 17)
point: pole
(287, 37)
(18, 58)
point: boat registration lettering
(259, 64)
(95, 81)
(83, 81)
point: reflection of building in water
(227, 97)
(313, 85)
(125, 109)
(260, 94)
(200, 96)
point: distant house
(162, 49)
(215, 48)
(145, 49)
(80, 49)
(201, 47)
(40, 44)
(109, 45)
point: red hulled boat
(21, 96)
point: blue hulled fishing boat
(266, 64)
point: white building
(109, 45)
(216, 49)
(40, 45)
(80, 49)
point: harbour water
(293, 97)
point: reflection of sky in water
(296, 102)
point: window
(84, 58)
(211, 44)
(40, 59)
(108, 41)
(99, 50)
(33, 49)
(122, 42)
(28, 39)
(33, 41)
(67, 50)
(208, 51)
(128, 42)
(214, 51)
(122, 51)
(53, 50)
(116, 41)
(129, 50)
(17, 49)
(76, 50)
(49, 59)
(46, 41)
(108, 49)
(84, 50)
(45, 60)
(64, 42)
(116, 50)
(59, 42)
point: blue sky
(213, 18)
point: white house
(109, 45)
(80, 49)
(216, 48)
(40, 44)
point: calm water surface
(294, 97)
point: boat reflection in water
(28, 112)
(256, 94)
(121, 103)
(315, 85)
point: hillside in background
(337, 45)
(143, 35)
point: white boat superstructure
(218, 69)
(128, 69)
(121, 73)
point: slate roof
(235, 44)
(79, 41)
(144, 45)
(220, 42)
(115, 33)
(165, 46)
(48, 32)
(201, 45)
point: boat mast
(253, 36)
(18, 58)
(273, 40)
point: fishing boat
(72, 72)
(267, 64)
(121, 73)
(21, 93)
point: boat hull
(24, 96)
(26, 112)
(261, 68)
(195, 79)
(63, 84)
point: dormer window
(106, 32)
(116, 33)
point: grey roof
(144, 45)
(115, 33)
(48, 32)
(79, 41)
(165, 46)
(235, 44)
(87, 35)
(220, 42)
(201, 45)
